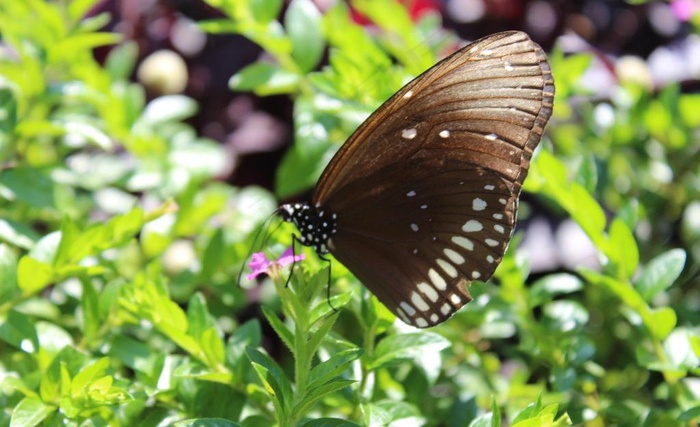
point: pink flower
(261, 265)
(685, 9)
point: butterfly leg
(295, 239)
(328, 282)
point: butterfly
(421, 200)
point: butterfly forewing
(499, 86)
(423, 196)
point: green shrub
(120, 252)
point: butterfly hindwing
(419, 241)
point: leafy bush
(120, 252)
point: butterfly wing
(489, 102)
(426, 190)
(417, 232)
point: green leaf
(274, 381)
(28, 185)
(8, 115)
(303, 163)
(532, 410)
(691, 414)
(397, 348)
(121, 60)
(198, 318)
(33, 275)
(248, 335)
(386, 413)
(169, 108)
(329, 422)
(587, 174)
(303, 24)
(265, 79)
(312, 396)
(88, 375)
(17, 233)
(89, 303)
(18, 330)
(328, 305)
(321, 332)
(495, 412)
(280, 328)
(678, 347)
(30, 412)
(333, 367)
(623, 252)
(264, 11)
(213, 257)
(207, 422)
(8, 274)
(56, 379)
(213, 346)
(660, 273)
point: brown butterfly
(422, 198)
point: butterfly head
(316, 226)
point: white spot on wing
(411, 193)
(489, 259)
(408, 94)
(491, 242)
(455, 299)
(486, 52)
(414, 227)
(447, 267)
(402, 315)
(472, 225)
(407, 308)
(424, 206)
(489, 187)
(444, 133)
(419, 302)
(409, 133)
(498, 216)
(476, 274)
(428, 291)
(437, 280)
(491, 137)
(463, 242)
(479, 204)
(421, 323)
(445, 309)
(508, 66)
(499, 228)
(454, 256)
(434, 318)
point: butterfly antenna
(261, 227)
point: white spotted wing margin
(418, 242)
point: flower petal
(259, 264)
(288, 257)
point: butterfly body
(422, 199)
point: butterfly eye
(422, 199)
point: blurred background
(651, 43)
(654, 39)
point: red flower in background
(416, 8)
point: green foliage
(119, 251)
